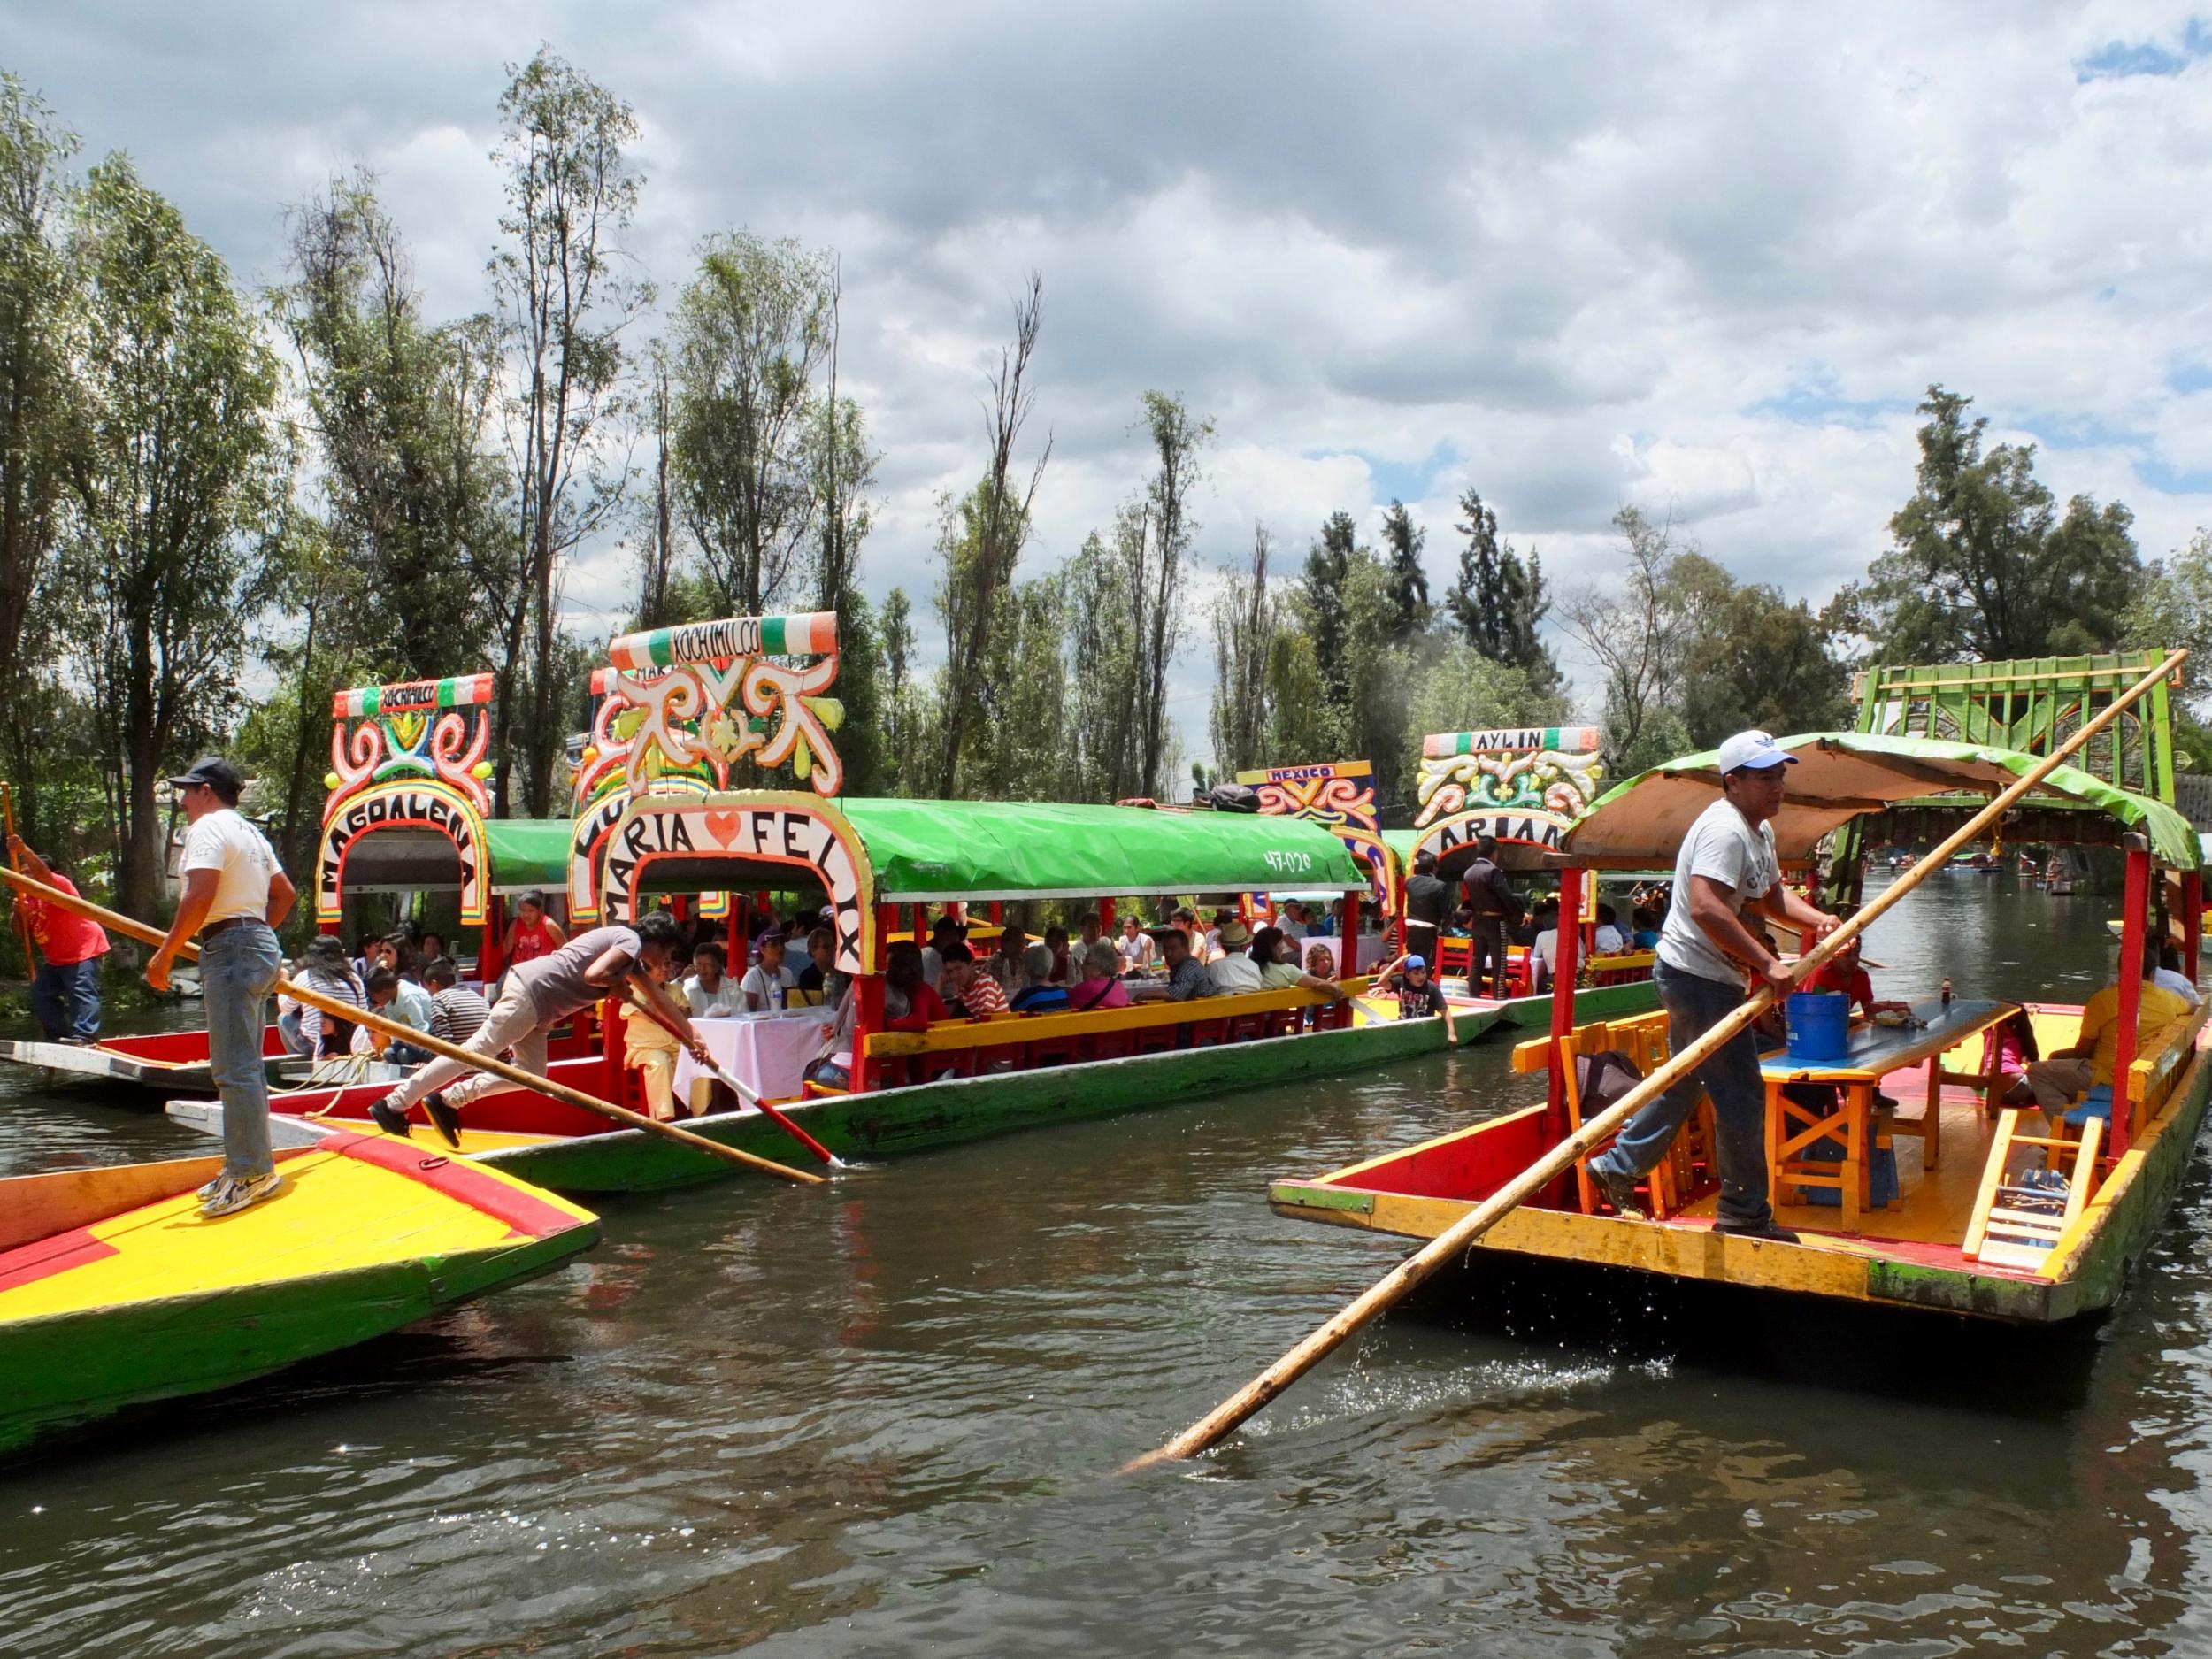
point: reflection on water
(885, 1420)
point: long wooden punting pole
(22, 922)
(497, 1067)
(737, 1087)
(1455, 1239)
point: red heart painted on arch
(723, 827)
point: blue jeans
(238, 969)
(65, 997)
(1694, 1005)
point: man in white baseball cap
(1726, 866)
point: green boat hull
(65, 1371)
(1593, 1002)
(885, 1123)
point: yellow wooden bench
(1001, 1030)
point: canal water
(885, 1422)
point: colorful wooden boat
(115, 1292)
(407, 813)
(657, 815)
(1966, 1232)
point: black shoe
(1766, 1231)
(1619, 1191)
(391, 1121)
(444, 1120)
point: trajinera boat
(407, 811)
(1952, 1205)
(686, 712)
(115, 1292)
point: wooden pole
(1454, 1242)
(738, 1086)
(374, 1021)
(2134, 907)
(1562, 1000)
(22, 922)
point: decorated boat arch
(1338, 796)
(1523, 786)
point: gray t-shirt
(1723, 847)
(556, 984)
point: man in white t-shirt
(236, 893)
(1726, 867)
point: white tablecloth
(769, 1051)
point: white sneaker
(235, 1193)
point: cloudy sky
(1699, 259)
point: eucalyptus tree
(172, 470)
(564, 296)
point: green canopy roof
(1842, 775)
(937, 851)
(529, 852)
(933, 851)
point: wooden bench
(1675, 1180)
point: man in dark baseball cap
(212, 771)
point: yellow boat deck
(473, 1142)
(334, 1213)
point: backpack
(1233, 797)
(1603, 1078)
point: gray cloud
(1697, 258)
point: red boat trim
(60, 1253)
(459, 1179)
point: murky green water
(884, 1422)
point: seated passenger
(910, 1001)
(1057, 942)
(1036, 994)
(1136, 948)
(1543, 950)
(398, 999)
(968, 987)
(1608, 939)
(768, 984)
(2170, 977)
(1842, 972)
(1099, 984)
(1418, 994)
(455, 1012)
(2072, 1072)
(1276, 955)
(820, 985)
(1089, 930)
(1320, 961)
(1005, 964)
(1234, 970)
(1294, 922)
(653, 1048)
(1187, 976)
(2012, 1047)
(710, 991)
(307, 1029)
(1646, 934)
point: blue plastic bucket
(1820, 1025)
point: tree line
(217, 506)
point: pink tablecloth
(769, 1052)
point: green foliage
(1104, 647)
(1178, 442)
(2172, 610)
(1983, 565)
(563, 302)
(1403, 541)
(172, 475)
(751, 330)
(401, 413)
(1328, 566)
(1245, 625)
(1498, 603)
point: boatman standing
(235, 894)
(1428, 905)
(1726, 867)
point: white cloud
(1700, 260)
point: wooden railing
(1003, 1029)
(2154, 1075)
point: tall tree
(1403, 541)
(657, 521)
(34, 303)
(1105, 631)
(1984, 565)
(1498, 603)
(1634, 631)
(894, 630)
(1328, 563)
(1244, 636)
(1178, 441)
(172, 471)
(564, 300)
(401, 412)
(982, 536)
(752, 330)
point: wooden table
(1874, 1051)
